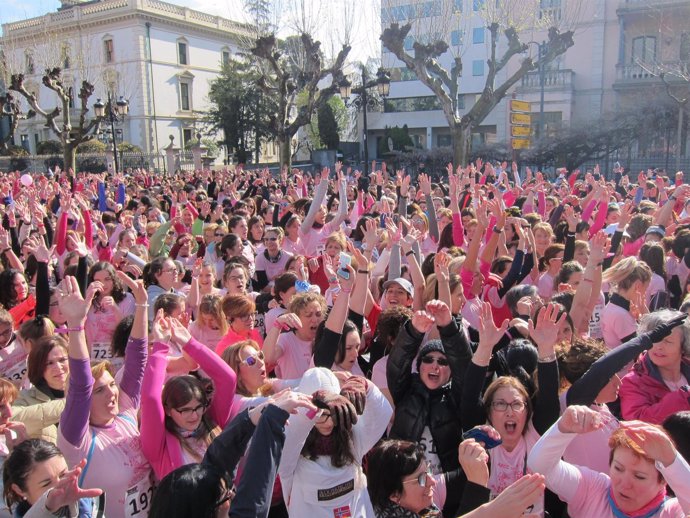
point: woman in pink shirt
(240, 312)
(630, 279)
(110, 305)
(99, 422)
(291, 351)
(179, 420)
(643, 460)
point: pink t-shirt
(509, 466)
(116, 463)
(378, 373)
(13, 363)
(202, 334)
(295, 356)
(545, 285)
(100, 327)
(313, 242)
(616, 324)
(591, 450)
(272, 269)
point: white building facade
(158, 56)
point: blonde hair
(231, 356)
(624, 274)
(301, 300)
(213, 305)
(337, 238)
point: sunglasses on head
(442, 362)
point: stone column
(171, 156)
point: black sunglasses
(442, 362)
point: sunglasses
(442, 362)
(422, 479)
(252, 360)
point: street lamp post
(383, 84)
(115, 113)
(542, 51)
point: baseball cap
(403, 283)
(656, 229)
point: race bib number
(260, 324)
(320, 249)
(101, 351)
(138, 498)
(17, 373)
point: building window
(456, 38)
(66, 63)
(402, 74)
(225, 57)
(685, 47)
(412, 104)
(182, 53)
(550, 9)
(409, 43)
(478, 35)
(643, 50)
(457, 6)
(187, 136)
(443, 141)
(461, 101)
(185, 102)
(30, 66)
(24, 142)
(477, 4)
(70, 92)
(478, 67)
(109, 50)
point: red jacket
(645, 396)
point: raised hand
(664, 329)
(72, 305)
(514, 500)
(489, 334)
(422, 321)
(342, 411)
(67, 491)
(135, 286)
(580, 419)
(440, 312)
(545, 332)
(474, 461)
(178, 332)
(652, 440)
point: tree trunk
(69, 156)
(285, 153)
(461, 138)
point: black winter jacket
(416, 406)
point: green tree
(328, 127)
(241, 109)
(398, 137)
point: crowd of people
(488, 342)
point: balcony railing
(634, 73)
(631, 6)
(552, 79)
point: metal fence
(93, 162)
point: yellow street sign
(520, 118)
(520, 131)
(520, 143)
(520, 106)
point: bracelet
(345, 290)
(281, 327)
(497, 230)
(366, 272)
(332, 280)
(411, 252)
(548, 359)
(142, 305)
(65, 330)
(588, 280)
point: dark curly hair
(8, 295)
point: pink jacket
(646, 397)
(161, 448)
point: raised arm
(137, 345)
(399, 366)
(319, 196)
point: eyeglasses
(228, 494)
(501, 406)
(248, 318)
(323, 418)
(60, 361)
(253, 359)
(442, 362)
(219, 235)
(170, 270)
(422, 479)
(186, 412)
